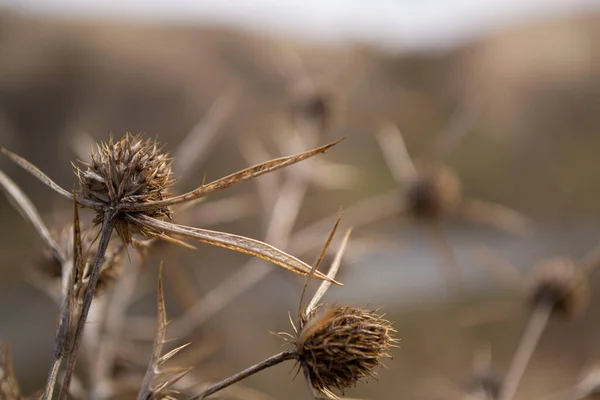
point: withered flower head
(340, 345)
(130, 170)
(435, 194)
(560, 284)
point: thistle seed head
(130, 170)
(339, 346)
(560, 284)
(435, 194)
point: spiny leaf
(331, 273)
(316, 265)
(230, 241)
(25, 207)
(36, 172)
(149, 389)
(219, 184)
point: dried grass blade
(230, 241)
(36, 172)
(225, 182)
(25, 207)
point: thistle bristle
(339, 346)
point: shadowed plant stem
(531, 337)
(269, 362)
(70, 350)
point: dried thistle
(338, 346)
(435, 194)
(131, 200)
(433, 191)
(129, 171)
(558, 288)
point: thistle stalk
(269, 362)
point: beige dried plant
(127, 183)
(335, 346)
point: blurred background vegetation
(533, 148)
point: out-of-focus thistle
(430, 192)
(556, 287)
(127, 183)
(335, 346)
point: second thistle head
(340, 345)
(130, 170)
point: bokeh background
(157, 67)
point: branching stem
(69, 347)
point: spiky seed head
(339, 346)
(130, 170)
(560, 284)
(111, 269)
(435, 194)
